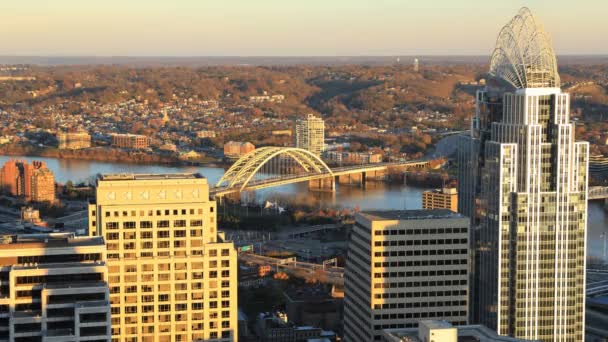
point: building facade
(445, 198)
(525, 179)
(310, 134)
(73, 140)
(402, 267)
(237, 149)
(171, 275)
(133, 141)
(53, 287)
(33, 182)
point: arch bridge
(275, 166)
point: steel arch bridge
(272, 163)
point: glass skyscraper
(523, 182)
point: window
(145, 224)
(179, 223)
(162, 224)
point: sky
(287, 27)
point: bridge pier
(378, 175)
(351, 179)
(323, 184)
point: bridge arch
(243, 170)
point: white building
(524, 183)
(310, 134)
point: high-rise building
(34, 182)
(172, 276)
(524, 180)
(53, 287)
(310, 134)
(444, 198)
(402, 267)
(73, 140)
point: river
(376, 195)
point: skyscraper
(404, 266)
(310, 134)
(523, 180)
(171, 275)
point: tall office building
(310, 134)
(53, 287)
(444, 198)
(171, 275)
(524, 180)
(402, 267)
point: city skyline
(271, 28)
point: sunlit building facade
(310, 134)
(53, 288)
(171, 275)
(404, 266)
(524, 182)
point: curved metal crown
(523, 56)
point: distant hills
(270, 60)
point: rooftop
(466, 333)
(148, 176)
(52, 240)
(431, 214)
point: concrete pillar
(351, 179)
(324, 184)
(376, 175)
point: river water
(376, 195)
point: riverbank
(105, 154)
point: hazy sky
(287, 27)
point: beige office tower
(53, 288)
(172, 278)
(310, 134)
(404, 266)
(529, 195)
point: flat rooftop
(148, 176)
(52, 240)
(380, 215)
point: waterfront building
(523, 179)
(352, 157)
(444, 198)
(172, 275)
(442, 331)
(33, 182)
(237, 149)
(310, 134)
(73, 140)
(404, 266)
(53, 287)
(598, 166)
(133, 141)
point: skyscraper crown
(523, 56)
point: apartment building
(53, 288)
(133, 141)
(33, 182)
(404, 266)
(172, 276)
(444, 198)
(73, 140)
(237, 149)
(310, 134)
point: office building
(73, 140)
(32, 182)
(402, 267)
(442, 331)
(53, 288)
(237, 149)
(444, 198)
(310, 134)
(524, 178)
(133, 141)
(172, 276)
